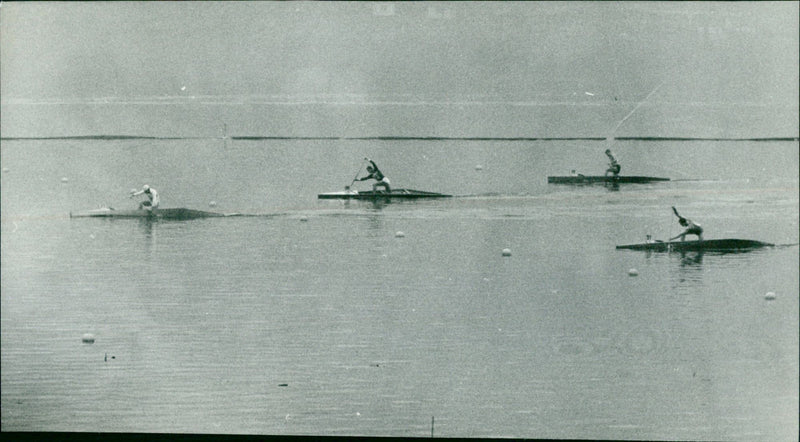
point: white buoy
(399, 234)
(87, 338)
(5, 169)
(633, 272)
(478, 167)
(64, 179)
(212, 204)
(304, 218)
(770, 296)
(506, 252)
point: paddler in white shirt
(692, 228)
(375, 174)
(152, 195)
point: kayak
(588, 179)
(170, 214)
(711, 245)
(371, 194)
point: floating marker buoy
(770, 296)
(478, 167)
(304, 218)
(87, 338)
(633, 272)
(212, 204)
(5, 169)
(399, 234)
(506, 252)
(64, 179)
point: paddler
(377, 175)
(613, 165)
(150, 205)
(692, 228)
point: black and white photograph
(407, 219)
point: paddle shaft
(357, 172)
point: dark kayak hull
(710, 245)
(591, 179)
(170, 214)
(371, 195)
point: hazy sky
(587, 52)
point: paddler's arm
(374, 166)
(677, 236)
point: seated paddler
(152, 202)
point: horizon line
(392, 137)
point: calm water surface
(314, 317)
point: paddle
(357, 172)
(119, 201)
(674, 210)
(115, 202)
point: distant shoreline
(398, 138)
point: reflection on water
(146, 226)
(692, 259)
(691, 267)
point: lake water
(314, 317)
